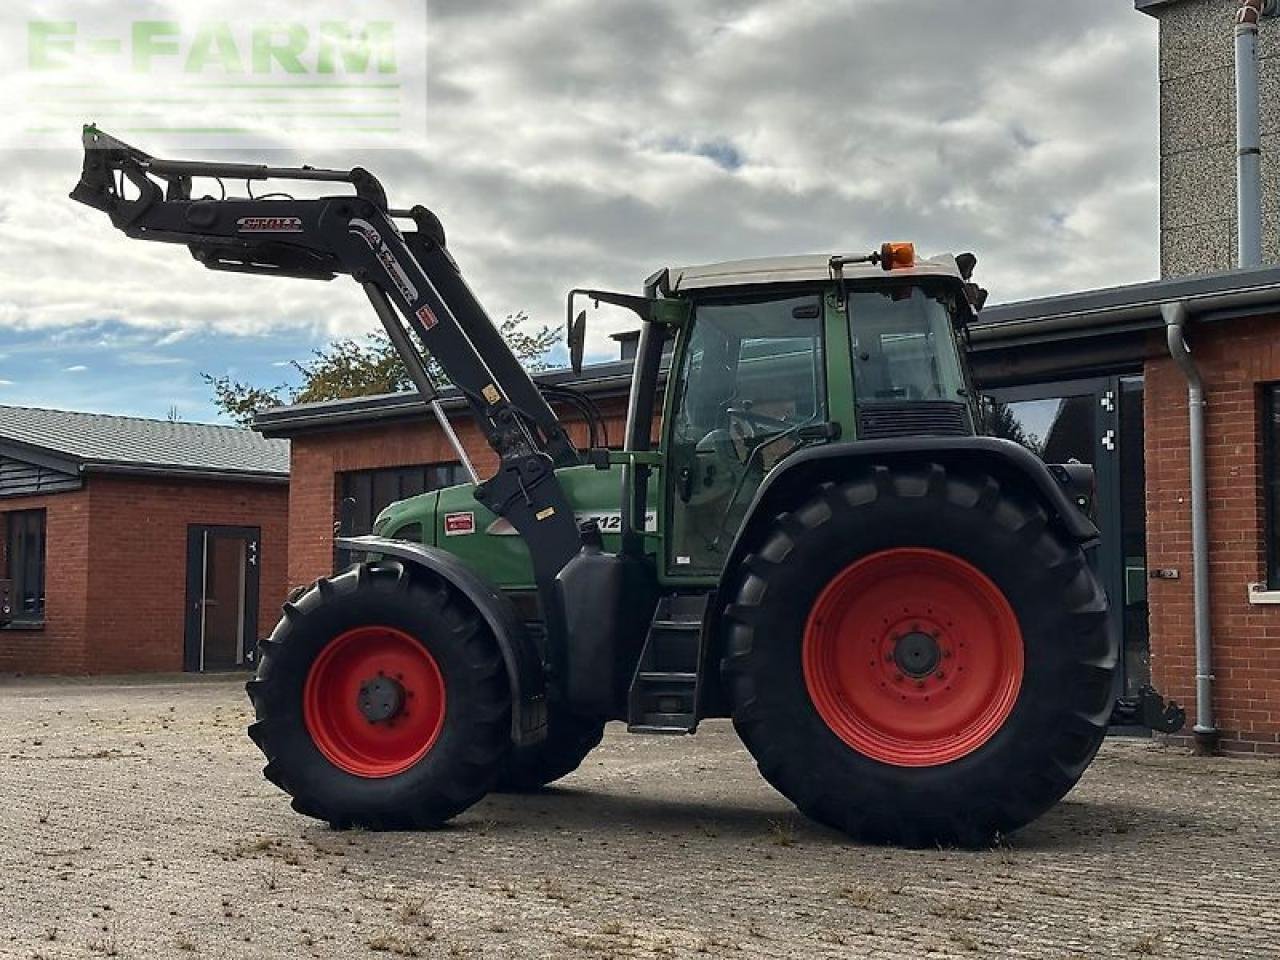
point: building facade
(137, 546)
(1198, 135)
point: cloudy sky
(589, 142)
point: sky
(589, 142)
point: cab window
(749, 380)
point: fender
(1004, 458)
(519, 653)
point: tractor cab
(778, 355)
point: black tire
(1060, 714)
(569, 739)
(474, 738)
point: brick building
(137, 545)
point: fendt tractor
(896, 611)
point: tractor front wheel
(916, 656)
(381, 701)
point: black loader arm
(413, 283)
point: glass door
(1097, 421)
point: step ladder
(664, 691)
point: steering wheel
(746, 428)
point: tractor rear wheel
(569, 739)
(381, 701)
(916, 656)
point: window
(1271, 479)
(750, 380)
(903, 346)
(363, 494)
(24, 549)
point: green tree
(1002, 422)
(355, 368)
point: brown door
(222, 597)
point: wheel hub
(917, 654)
(381, 699)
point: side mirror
(577, 340)
(576, 327)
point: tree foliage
(361, 368)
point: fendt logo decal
(270, 224)
(365, 231)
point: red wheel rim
(913, 657)
(397, 667)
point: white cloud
(581, 144)
(75, 368)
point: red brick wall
(59, 646)
(318, 457)
(138, 562)
(1235, 357)
(115, 570)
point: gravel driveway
(136, 825)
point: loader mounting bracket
(1149, 709)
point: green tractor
(897, 612)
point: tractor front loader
(897, 612)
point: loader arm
(413, 283)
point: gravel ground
(137, 825)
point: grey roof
(1149, 6)
(1209, 296)
(599, 380)
(101, 442)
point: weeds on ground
(553, 889)
(965, 939)
(106, 943)
(1148, 945)
(782, 833)
(394, 944)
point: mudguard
(519, 653)
(1004, 459)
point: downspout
(1206, 734)
(1249, 132)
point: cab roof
(807, 268)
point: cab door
(747, 381)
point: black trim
(26, 551)
(196, 584)
(599, 380)
(1271, 480)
